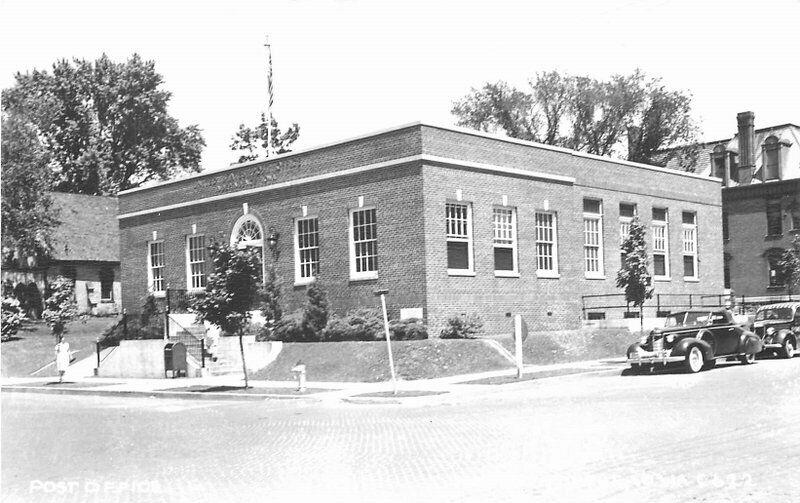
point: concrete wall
(135, 359)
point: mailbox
(175, 359)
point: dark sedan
(696, 339)
(778, 325)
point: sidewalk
(231, 387)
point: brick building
(450, 221)
(760, 169)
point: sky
(348, 67)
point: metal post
(125, 323)
(202, 353)
(690, 301)
(518, 343)
(97, 350)
(383, 293)
(658, 305)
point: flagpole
(269, 98)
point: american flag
(269, 99)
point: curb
(181, 395)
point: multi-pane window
(593, 237)
(774, 219)
(775, 277)
(155, 271)
(660, 229)
(505, 240)
(458, 221)
(306, 249)
(363, 244)
(689, 228)
(626, 213)
(546, 243)
(196, 262)
(106, 283)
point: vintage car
(778, 325)
(696, 339)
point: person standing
(62, 357)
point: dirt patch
(249, 391)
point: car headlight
(770, 330)
(670, 337)
(643, 339)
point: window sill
(106, 301)
(773, 237)
(364, 277)
(594, 276)
(691, 280)
(776, 287)
(662, 278)
(547, 275)
(460, 272)
(196, 291)
(306, 281)
(159, 295)
(506, 274)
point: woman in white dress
(62, 357)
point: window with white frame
(546, 244)
(593, 238)
(660, 228)
(363, 244)
(196, 262)
(306, 249)
(505, 241)
(155, 269)
(626, 213)
(458, 219)
(689, 227)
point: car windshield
(687, 319)
(774, 313)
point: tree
(788, 266)
(271, 299)
(315, 315)
(232, 289)
(634, 277)
(253, 141)
(59, 306)
(583, 113)
(27, 210)
(104, 124)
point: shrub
(462, 327)
(356, 325)
(412, 329)
(290, 328)
(271, 298)
(60, 307)
(12, 317)
(316, 311)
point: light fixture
(272, 239)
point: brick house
(85, 249)
(450, 221)
(760, 169)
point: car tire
(787, 350)
(748, 359)
(694, 360)
(710, 364)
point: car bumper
(652, 358)
(772, 345)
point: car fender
(782, 335)
(750, 343)
(632, 349)
(682, 347)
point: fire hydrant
(300, 374)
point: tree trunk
(244, 365)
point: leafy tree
(104, 124)
(789, 265)
(271, 299)
(12, 317)
(583, 113)
(634, 276)
(27, 210)
(60, 307)
(315, 315)
(231, 289)
(252, 142)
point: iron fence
(665, 303)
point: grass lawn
(542, 348)
(34, 347)
(369, 362)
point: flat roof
(451, 128)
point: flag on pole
(269, 98)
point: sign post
(520, 334)
(382, 294)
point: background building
(450, 221)
(85, 249)
(760, 169)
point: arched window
(247, 232)
(772, 158)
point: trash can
(175, 359)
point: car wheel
(710, 364)
(694, 360)
(748, 358)
(788, 348)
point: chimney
(747, 153)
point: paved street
(730, 434)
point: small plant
(356, 325)
(412, 329)
(60, 307)
(291, 328)
(462, 327)
(12, 318)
